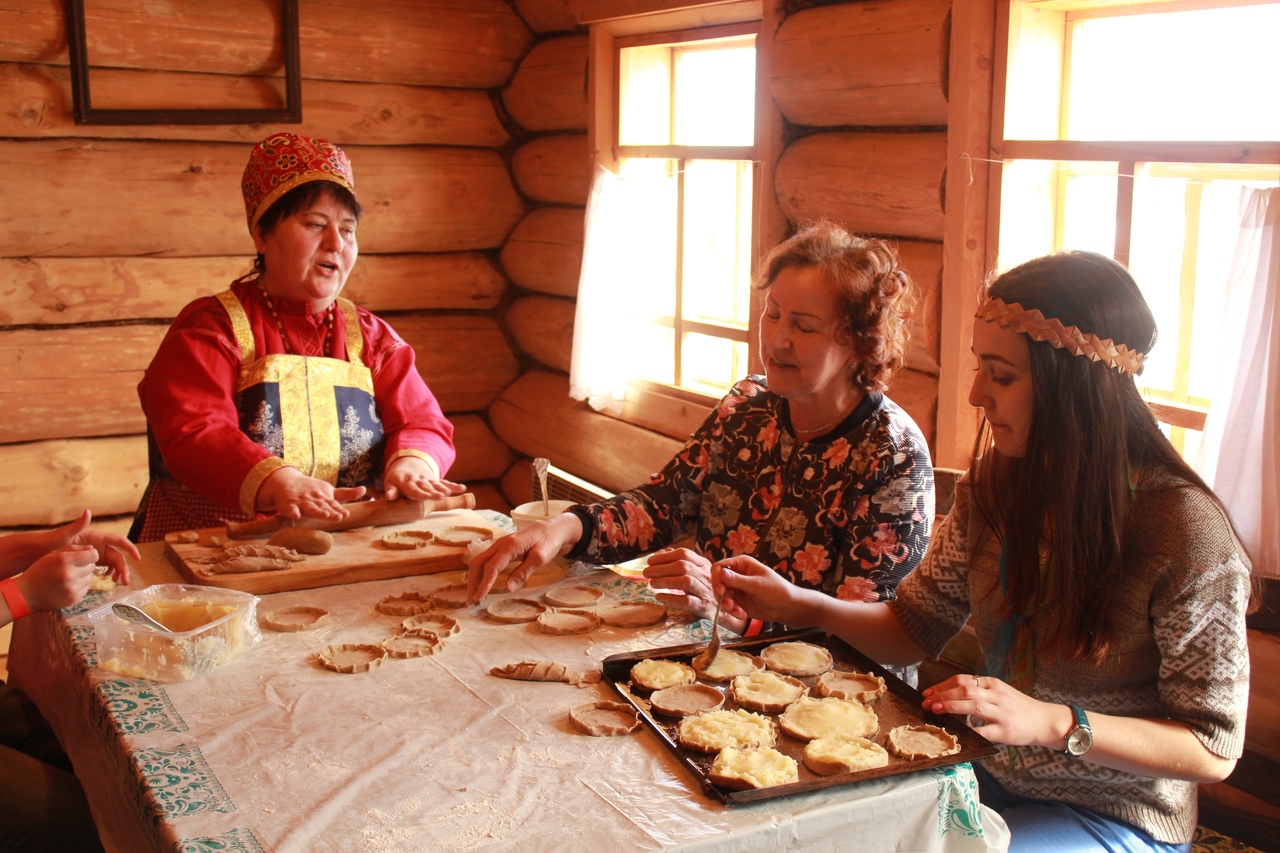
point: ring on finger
(976, 722)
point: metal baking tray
(900, 705)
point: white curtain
(1240, 452)
(627, 263)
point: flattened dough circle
(561, 622)
(572, 596)
(684, 700)
(604, 719)
(414, 645)
(299, 617)
(440, 624)
(353, 657)
(633, 614)
(407, 540)
(512, 611)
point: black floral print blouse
(848, 513)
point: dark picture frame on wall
(85, 113)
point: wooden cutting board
(357, 555)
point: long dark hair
(1092, 437)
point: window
(676, 117)
(1129, 130)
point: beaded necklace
(271, 306)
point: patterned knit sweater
(847, 513)
(1184, 656)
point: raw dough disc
(462, 534)
(515, 610)
(447, 598)
(657, 674)
(862, 686)
(755, 767)
(712, 731)
(407, 540)
(684, 700)
(299, 617)
(766, 691)
(568, 622)
(353, 657)
(404, 604)
(572, 596)
(921, 741)
(633, 614)
(797, 658)
(809, 718)
(440, 624)
(413, 645)
(842, 753)
(728, 664)
(605, 719)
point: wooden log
(549, 89)
(887, 184)
(544, 252)
(481, 454)
(517, 482)
(536, 417)
(38, 291)
(106, 198)
(35, 101)
(82, 381)
(923, 262)
(865, 64)
(543, 327)
(465, 360)
(489, 496)
(51, 482)
(547, 16)
(554, 169)
(468, 44)
(917, 393)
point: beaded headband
(283, 161)
(1030, 321)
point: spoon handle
(540, 466)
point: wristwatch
(1080, 738)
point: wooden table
(271, 752)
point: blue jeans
(1048, 826)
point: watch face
(1079, 741)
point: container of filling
(209, 626)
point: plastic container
(210, 627)
(532, 512)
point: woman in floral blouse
(810, 469)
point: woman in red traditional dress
(276, 396)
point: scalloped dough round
(754, 767)
(633, 614)
(712, 731)
(448, 598)
(921, 741)
(842, 753)
(352, 657)
(860, 686)
(404, 604)
(797, 658)
(651, 674)
(512, 611)
(684, 700)
(560, 622)
(810, 718)
(299, 617)
(572, 596)
(440, 624)
(765, 691)
(407, 540)
(413, 645)
(605, 719)
(728, 664)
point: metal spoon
(707, 656)
(540, 468)
(133, 614)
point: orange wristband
(13, 597)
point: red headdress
(283, 161)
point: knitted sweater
(1183, 656)
(847, 513)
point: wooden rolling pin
(360, 514)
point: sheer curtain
(1240, 452)
(627, 265)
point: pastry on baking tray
(922, 741)
(684, 700)
(810, 718)
(843, 753)
(656, 674)
(712, 731)
(797, 658)
(729, 664)
(754, 767)
(766, 691)
(862, 686)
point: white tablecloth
(271, 752)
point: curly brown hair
(875, 296)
